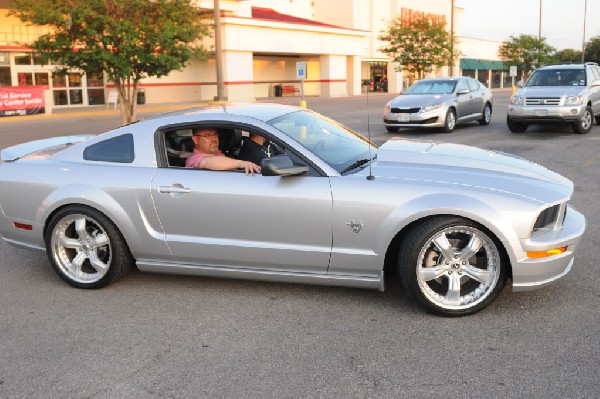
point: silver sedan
(453, 222)
(439, 103)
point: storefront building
(262, 41)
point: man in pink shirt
(208, 156)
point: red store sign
(17, 100)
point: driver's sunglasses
(207, 135)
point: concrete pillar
(394, 78)
(333, 75)
(238, 76)
(353, 83)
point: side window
(596, 72)
(462, 85)
(116, 149)
(473, 84)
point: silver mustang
(455, 222)
(439, 103)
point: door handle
(174, 189)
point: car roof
(564, 66)
(261, 111)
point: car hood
(469, 167)
(551, 91)
(419, 100)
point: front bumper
(531, 273)
(434, 118)
(545, 114)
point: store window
(469, 72)
(496, 79)
(22, 59)
(25, 79)
(95, 84)
(5, 76)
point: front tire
(391, 129)
(584, 124)
(515, 127)
(451, 266)
(486, 116)
(85, 248)
(450, 122)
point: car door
(229, 219)
(595, 90)
(464, 106)
(477, 96)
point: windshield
(557, 77)
(432, 87)
(335, 144)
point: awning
(474, 63)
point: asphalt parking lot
(155, 336)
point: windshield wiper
(357, 164)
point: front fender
(508, 223)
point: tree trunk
(128, 99)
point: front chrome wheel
(85, 248)
(452, 266)
(458, 268)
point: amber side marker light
(545, 254)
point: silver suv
(567, 93)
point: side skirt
(264, 275)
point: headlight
(516, 100)
(430, 107)
(387, 108)
(574, 100)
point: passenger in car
(254, 149)
(208, 156)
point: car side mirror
(281, 165)
(596, 82)
(462, 91)
(519, 83)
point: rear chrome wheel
(451, 266)
(486, 116)
(85, 248)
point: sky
(562, 20)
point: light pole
(583, 41)
(218, 54)
(451, 37)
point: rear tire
(584, 125)
(486, 116)
(391, 129)
(452, 266)
(450, 122)
(85, 248)
(515, 127)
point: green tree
(127, 39)
(567, 55)
(592, 50)
(527, 52)
(418, 45)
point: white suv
(567, 93)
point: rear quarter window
(117, 149)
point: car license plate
(540, 112)
(403, 118)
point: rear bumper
(533, 273)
